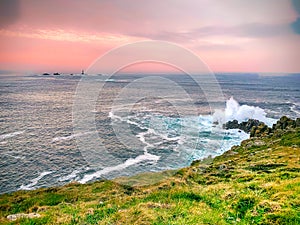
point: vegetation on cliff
(257, 182)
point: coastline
(246, 183)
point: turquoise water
(38, 144)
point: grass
(255, 183)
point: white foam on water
(70, 176)
(295, 108)
(13, 156)
(236, 137)
(242, 113)
(34, 181)
(127, 163)
(131, 161)
(65, 138)
(115, 117)
(110, 80)
(9, 135)
(213, 140)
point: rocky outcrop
(286, 122)
(257, 128)
(245, 126)
(261, 130)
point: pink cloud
(70, 34)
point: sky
(228, 35)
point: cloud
(296, 5)
(9, 12)
(252, 30)
(64, 35)
(218, 47)
(145, 17)
(257, 30)
(296, 26)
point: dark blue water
(38, 146)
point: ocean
(40, 145)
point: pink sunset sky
(229, 35)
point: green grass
(255, 183)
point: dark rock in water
(56, 73)
(46, 74)
(245, 126)
(234, 124)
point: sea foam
(34, 181)
(9, 135)
(242, 113)
(127, 163)
(65, 138)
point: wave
(242, 113)
(64, 138)
(127, 163)
(34, 181)
(9, 135)
(70, 176)
(295, 108)
(175, 148)
(12, 154)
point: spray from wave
(242, 113)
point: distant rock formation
(46, 74)
(56, 73)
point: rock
(90, 211)
(222, 167)
(14, 217)
(46, 74)
(231, 153)
(234, 124)
(285, 122)
(297, 123)
(259, 129)
(245, 126)
(42, 209)
(258, 143)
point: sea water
(38, 144)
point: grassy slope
(255, 183)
